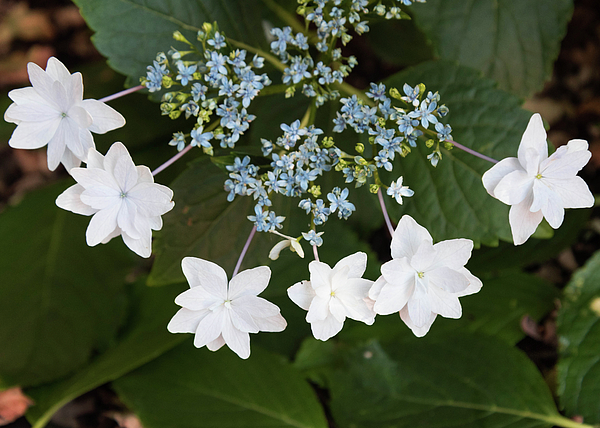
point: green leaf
(131, 32)
(514, 42)
(190, 387)
(60, 300)
(579, 332)
(202, 224)
(495, 311)
(440, 381)
(144, 339)
(450, 200)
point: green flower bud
(360, 147)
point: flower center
(538, 176)
(421, 274)
(63, 115)
(123, 195)
(332, 294)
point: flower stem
(241, 259)
(351, 90)
(385, 213)
(172, 160)
(316, 253)
(121, 94)
(270, 58)
(473, 152)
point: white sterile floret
(121, 198)
(53, 112)
(331, 295)
(423, 280)
(289, 241)
(537, 186)
(221, 314)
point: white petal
(514, 187)
(105, 118)
(216, 344)
(337, 309)
(28, 95)
(302, 294)
(256, 307)
(57, 70)
(210, 327)
(419, 306)
(534, 137)
(80, 116)
(444, 303)
(327, 328)
(196, 299)
(417, 331)
(58, 144)
(522, 221)
(375, 289)
(186, 321)
(238, 342)
(69, 160)
(95, 159)
(126, 220)
(492, 176)
(453, 253)
(42, 83)
(274, 253)
(100, 197)
(566, 166)
(398, 272)
(242, 320)
(447, 279)
(574, 192)
(101, 225)
(273, 324)
(356, 264)
(145, 176)
(113, 234)
(33, 135)
(572, 145)
(151, 198)
(250, 282)
(297, 247)
(115, 152)
(208, 275)
(125, 173)
(393, 298)
(422, 259)
(318, 309)
(30, 112)
(475, 283)
(407, 238)
(320, 274)
(549, 202)
(70, 200)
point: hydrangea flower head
(423, 279)
(121, 198)
(332, 295)
(53, 112)
(537, 186)
(221, 312)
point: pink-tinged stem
(473, 152)
(385, 213)
(241, 259)
(316, 253)
(122, 93)
(172, 160)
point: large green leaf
(514, 42)
(450, 200)
(447, 380)
(579, 332)
(144, 339)
(495, 311)
(190, 387)
(60, 300)
(131, 32)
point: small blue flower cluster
(221, 83)
(399, 137)
(337, 202)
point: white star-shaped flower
(221, 314)
(331, 295)
(397, 190)
(122, 198)
(53, 112)
(537, 186)
(423, 280)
